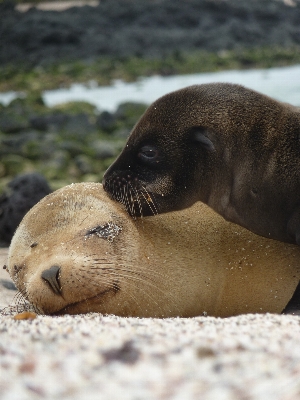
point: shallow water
(280, 83)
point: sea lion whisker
(151, 200)
(21, 295)
(146, 198)
(21, 303)
(130, 274)
(144, 272)
(130, 281)
(126, 202)
(136, 199)
(102, 268)
(105, 279)
(114, 192)
(131, 202)
(83, 221)
(145, 277)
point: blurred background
(75, 76)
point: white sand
(106, 357)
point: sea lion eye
(149, 154)
(107, 231)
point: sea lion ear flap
(200, 134)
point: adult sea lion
(77, 251)
(230, 147)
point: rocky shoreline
(64, 143)
(126, 28)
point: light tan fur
(184, 263)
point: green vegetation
(104, 70)
(67, 143)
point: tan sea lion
(230, 147)
(77, 251)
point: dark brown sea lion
(78, 251)
(230, 147)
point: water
(280, 83)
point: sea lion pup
(77, 251)
(230, 147)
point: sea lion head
(62, 246)
(176, 139)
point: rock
(22, 193)
(104, 149)
(84, 164)
(72, 147)
(15, 143)
(13, 164)
(145, 28)
(106, 121)
(10, 123)
(130, 112)
(51, 122)
(78, 126)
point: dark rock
(130, 109)
(78, 125)
(22, 193)
(73, 125)
(124, 28)
(106, 121)
(12, 123)
(51, 122)
(129, 113)
(14, 143)
(59, 160)
(16, 116)
(84, 164)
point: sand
(107, 357)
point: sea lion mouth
(132, 193)
(98, 299)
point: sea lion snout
(126, 188)
(51, 276)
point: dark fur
(228, 146)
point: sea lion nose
(51, 276)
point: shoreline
(56, 5)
